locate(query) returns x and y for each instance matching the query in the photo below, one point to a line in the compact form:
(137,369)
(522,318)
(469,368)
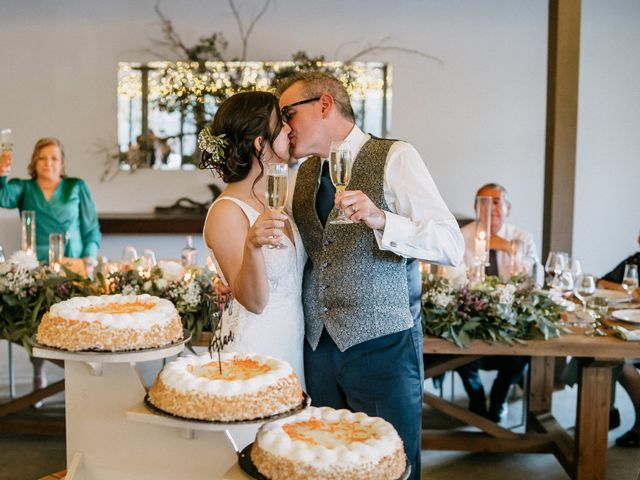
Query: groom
(364,343)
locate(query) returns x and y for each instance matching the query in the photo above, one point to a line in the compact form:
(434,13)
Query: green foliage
(489,311)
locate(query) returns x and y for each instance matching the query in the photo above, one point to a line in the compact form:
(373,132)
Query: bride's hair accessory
(212,144)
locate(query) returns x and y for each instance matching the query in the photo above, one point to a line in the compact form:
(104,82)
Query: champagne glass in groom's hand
(340,162)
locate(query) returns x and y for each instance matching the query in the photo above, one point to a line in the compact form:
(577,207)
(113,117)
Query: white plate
(612,296)
(629,315)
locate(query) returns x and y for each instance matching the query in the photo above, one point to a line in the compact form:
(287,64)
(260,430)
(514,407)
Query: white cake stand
(102,444)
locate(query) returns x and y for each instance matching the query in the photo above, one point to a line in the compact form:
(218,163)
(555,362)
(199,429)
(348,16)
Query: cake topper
(216,309)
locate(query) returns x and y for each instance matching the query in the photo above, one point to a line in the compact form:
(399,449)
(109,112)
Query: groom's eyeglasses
(286,110)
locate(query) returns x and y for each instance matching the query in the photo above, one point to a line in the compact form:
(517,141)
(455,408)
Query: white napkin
(625,334)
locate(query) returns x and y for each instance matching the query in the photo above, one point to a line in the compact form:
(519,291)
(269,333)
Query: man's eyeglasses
(286,110)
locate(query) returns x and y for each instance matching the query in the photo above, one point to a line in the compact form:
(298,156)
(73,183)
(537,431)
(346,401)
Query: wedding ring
(354,208)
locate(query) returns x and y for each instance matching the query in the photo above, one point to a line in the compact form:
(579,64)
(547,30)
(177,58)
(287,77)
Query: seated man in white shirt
(510,369)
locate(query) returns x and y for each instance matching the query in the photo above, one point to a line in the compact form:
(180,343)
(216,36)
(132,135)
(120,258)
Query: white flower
(5,267)
(161,284)
(506,294)
(171,271)
(147,285)
(442,299)
(25,260)
(129,290)
(456,276)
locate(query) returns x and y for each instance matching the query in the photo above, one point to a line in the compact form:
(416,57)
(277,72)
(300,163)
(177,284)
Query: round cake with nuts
(323,443)
(110,323)
(242,386)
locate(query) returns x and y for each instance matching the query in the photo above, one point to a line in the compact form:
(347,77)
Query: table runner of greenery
(491,310)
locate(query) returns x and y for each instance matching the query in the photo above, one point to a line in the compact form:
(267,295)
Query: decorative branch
(380,47)
(244,35)
(173,42)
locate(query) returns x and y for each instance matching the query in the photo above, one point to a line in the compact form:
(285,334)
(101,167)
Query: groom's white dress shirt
(419,224)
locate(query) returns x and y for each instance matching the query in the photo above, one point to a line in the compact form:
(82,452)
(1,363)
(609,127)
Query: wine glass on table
(276,191)
(585,287)
(340,162)
(555,265)
(630,277)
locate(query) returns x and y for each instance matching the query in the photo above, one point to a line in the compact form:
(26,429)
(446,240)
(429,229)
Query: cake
(250,387)
(323,443)
(110,323)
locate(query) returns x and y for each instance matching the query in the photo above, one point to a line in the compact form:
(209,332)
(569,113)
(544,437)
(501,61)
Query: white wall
(478,117)
(607,210)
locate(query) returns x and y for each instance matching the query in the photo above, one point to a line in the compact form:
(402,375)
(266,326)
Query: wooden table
(583,457)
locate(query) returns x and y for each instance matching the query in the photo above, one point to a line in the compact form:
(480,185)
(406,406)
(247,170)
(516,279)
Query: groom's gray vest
(351,287)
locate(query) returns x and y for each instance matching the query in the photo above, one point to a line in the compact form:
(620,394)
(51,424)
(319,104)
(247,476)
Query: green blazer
(70,211)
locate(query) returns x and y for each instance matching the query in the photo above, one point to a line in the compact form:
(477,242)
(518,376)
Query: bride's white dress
(279,330)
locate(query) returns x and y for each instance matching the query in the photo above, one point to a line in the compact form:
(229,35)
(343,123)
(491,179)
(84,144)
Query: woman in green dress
(62,205)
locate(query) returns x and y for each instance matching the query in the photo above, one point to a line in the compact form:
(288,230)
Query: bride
(246,134)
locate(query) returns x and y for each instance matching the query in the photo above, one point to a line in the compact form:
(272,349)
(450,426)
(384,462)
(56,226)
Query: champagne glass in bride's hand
(630,277)
(340,162)
(276,191)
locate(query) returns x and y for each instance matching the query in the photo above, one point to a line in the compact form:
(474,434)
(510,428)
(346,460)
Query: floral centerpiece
(490,310)
(27,290)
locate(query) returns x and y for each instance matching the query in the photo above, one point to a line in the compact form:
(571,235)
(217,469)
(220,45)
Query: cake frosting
(250,386)
(110,323)
(323,443)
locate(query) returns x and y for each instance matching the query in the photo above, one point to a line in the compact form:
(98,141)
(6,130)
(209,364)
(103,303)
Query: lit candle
(481,245)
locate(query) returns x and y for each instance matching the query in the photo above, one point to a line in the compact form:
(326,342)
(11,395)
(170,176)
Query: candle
(481,245)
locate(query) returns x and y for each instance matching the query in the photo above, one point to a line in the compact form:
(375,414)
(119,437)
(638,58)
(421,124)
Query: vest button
(326,264)
(325,309)
(327,243)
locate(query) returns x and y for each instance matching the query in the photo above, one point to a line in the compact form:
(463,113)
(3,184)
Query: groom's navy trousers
(380,377)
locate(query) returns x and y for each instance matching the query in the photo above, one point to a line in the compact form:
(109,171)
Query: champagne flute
(6,140)
(340,162)
(276,191)
(630,277)
(585,287)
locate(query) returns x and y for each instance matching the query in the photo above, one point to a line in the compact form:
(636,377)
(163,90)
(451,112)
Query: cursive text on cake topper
(216,309)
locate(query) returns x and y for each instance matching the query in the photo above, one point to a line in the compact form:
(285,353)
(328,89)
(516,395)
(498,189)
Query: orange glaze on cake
(236,369)
(318,432)
(116,308)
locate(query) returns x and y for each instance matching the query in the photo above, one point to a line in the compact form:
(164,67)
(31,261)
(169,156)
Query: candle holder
(56,251)
(29,231)
(482,237)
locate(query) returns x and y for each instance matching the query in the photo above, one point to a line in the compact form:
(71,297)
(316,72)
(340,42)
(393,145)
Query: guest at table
(613,279)
(510,369)
(629,377)
(62,205)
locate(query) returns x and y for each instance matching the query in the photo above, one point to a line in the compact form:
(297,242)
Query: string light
(187,83)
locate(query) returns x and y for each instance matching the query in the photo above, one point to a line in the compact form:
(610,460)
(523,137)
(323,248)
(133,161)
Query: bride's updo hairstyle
(238,122)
